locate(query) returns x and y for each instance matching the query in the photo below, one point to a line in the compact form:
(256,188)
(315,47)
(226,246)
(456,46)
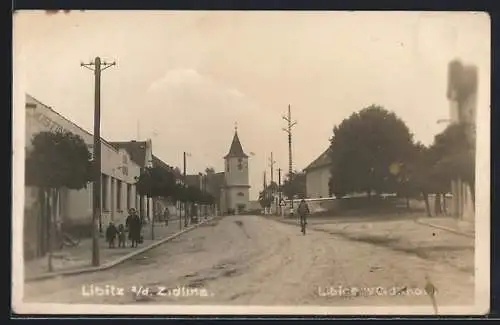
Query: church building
(236,188)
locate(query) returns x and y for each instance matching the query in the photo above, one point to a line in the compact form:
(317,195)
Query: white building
(235,193)
(73,208)
(318,176)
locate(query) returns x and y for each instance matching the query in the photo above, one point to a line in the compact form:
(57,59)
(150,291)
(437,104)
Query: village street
(253,260)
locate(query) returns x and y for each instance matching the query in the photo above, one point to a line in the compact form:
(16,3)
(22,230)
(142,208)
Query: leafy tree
(267,195)
(454,142)
(209,170)
(455,155)
(156,182)
(294,184)
(432,169)
(420,176)
(56,160)
(363,149)
(273,187)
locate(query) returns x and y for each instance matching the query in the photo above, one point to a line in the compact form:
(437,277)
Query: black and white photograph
(251,162)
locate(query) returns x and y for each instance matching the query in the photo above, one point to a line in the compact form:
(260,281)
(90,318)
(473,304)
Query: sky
(184,79)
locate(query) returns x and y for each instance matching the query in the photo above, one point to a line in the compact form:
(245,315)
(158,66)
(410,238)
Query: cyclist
(303,211)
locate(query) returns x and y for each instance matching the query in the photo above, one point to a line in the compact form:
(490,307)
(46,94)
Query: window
(125,159)
(240,194)
(118,194)
(104,192)
(129,190)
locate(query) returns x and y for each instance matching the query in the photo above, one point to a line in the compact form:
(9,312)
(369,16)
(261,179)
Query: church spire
(236,149)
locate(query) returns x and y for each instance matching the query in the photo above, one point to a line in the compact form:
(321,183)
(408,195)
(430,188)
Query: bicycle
(68,241)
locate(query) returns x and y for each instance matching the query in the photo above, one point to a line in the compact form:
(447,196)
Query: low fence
(333,206)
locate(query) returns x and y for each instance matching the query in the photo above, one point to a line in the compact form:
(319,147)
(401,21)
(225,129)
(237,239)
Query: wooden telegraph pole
(97,67)
(279,192)
(288,130)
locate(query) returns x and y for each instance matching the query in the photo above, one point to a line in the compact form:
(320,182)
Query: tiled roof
(236,149)
(136,150)
(323,160)
(157,162)
(215,183)
(220,180)
(32,105)
(193,180)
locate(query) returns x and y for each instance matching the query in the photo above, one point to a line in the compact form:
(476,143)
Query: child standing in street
(111,233)
(122,237)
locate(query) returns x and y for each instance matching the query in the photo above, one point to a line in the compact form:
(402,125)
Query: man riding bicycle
(303,211)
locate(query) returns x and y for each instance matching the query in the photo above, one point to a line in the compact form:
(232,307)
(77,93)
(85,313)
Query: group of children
(112,233)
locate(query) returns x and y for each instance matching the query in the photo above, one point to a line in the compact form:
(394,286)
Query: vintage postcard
(195,162)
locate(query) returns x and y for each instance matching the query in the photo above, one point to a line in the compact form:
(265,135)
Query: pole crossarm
(107,65)
(88,66)
(104,65)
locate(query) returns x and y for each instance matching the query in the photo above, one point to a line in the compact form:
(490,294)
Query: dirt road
(251,260)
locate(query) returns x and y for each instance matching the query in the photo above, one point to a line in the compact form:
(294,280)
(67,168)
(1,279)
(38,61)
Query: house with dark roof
(141,153)
(318,176)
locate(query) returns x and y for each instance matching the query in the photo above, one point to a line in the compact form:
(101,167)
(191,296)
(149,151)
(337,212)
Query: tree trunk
(472,186)
(50,232)
(445,208)
(408,203)
(42,224)
(437,204)
(427,205)
(153,219)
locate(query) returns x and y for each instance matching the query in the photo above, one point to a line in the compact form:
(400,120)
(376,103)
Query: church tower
(236,177)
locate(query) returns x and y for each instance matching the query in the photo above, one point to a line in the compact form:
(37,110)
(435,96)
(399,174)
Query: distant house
(318,176)
(230,188)
(141,153)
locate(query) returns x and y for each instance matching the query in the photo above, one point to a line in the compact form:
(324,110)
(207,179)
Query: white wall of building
(237,196)
(234,175)
(118,169)
(317,182)
(237,181)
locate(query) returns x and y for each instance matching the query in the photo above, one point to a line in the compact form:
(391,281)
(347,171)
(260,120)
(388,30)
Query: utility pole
(265,193)
(272,162)
(279,191)
(288,130)
(97,67)
(185,186)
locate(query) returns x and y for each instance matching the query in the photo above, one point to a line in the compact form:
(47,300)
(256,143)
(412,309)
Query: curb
(457,232)
(117,261)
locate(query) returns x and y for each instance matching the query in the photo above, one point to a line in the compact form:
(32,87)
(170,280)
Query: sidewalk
(420,237)
(77,258)
(467,228)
